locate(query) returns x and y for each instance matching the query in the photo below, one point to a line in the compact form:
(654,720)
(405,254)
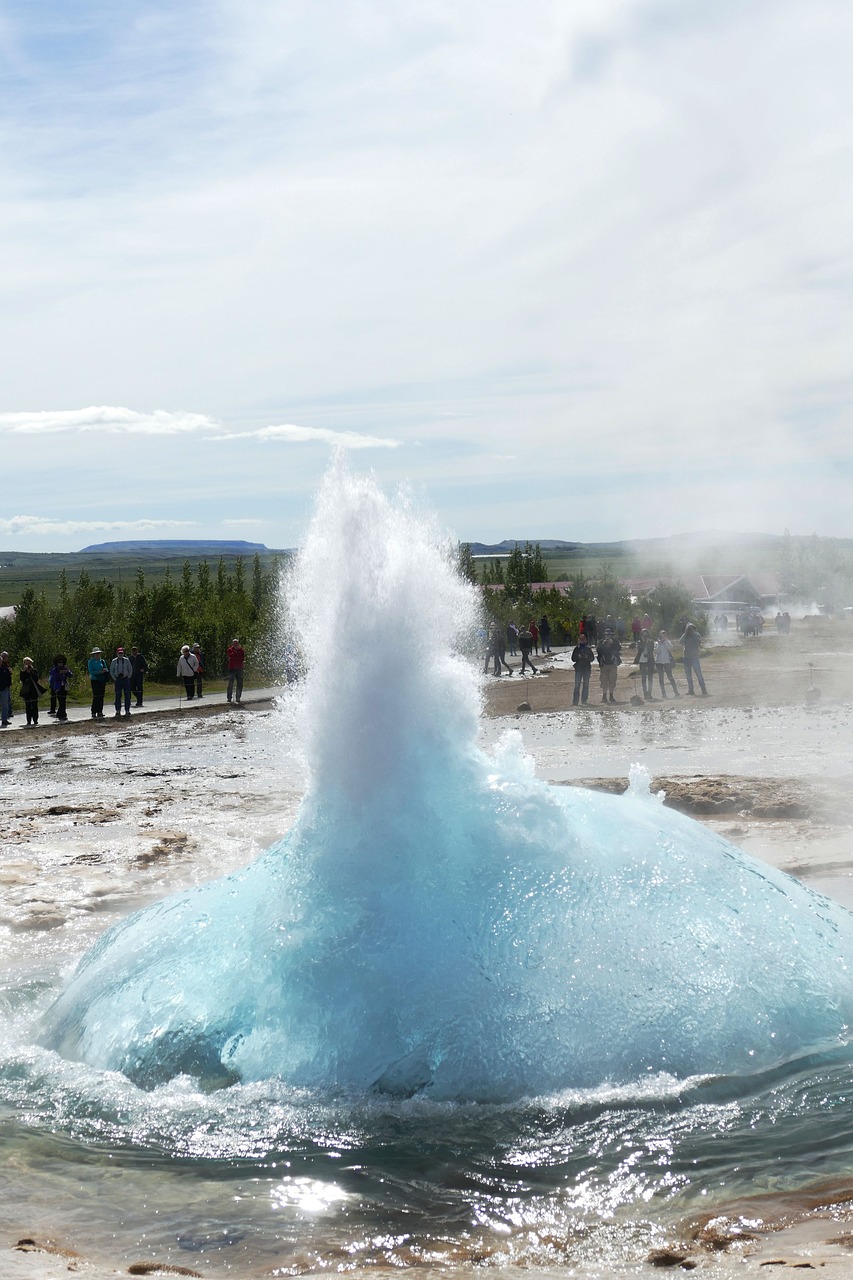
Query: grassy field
(41,570)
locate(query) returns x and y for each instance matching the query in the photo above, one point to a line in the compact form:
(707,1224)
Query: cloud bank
(42,526)
(105,418)
(594,259)
(288,433)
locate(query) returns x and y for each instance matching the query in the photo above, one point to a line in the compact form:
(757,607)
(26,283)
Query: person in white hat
(188,670)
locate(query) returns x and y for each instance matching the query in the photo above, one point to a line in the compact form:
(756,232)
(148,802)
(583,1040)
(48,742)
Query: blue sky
(572,270)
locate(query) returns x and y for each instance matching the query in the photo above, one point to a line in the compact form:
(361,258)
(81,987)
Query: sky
(569,270)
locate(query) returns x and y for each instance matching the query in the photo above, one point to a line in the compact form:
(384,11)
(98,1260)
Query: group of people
(652,654)
(518,639)
(125,671)
(602,643)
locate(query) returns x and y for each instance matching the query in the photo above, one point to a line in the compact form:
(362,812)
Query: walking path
(152,706)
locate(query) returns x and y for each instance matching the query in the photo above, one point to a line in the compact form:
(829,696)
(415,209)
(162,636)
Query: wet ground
(100,820)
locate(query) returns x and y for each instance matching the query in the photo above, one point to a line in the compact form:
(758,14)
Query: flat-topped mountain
(175,546)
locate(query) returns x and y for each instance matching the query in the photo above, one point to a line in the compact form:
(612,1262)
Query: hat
(119,649)
(235,641)
(94,651)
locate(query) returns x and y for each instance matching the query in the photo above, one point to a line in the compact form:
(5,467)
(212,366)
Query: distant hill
(509,544)
(178,546)
(553,547)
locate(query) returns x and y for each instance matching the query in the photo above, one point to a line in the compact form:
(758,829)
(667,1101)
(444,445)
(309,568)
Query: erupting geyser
(438,920)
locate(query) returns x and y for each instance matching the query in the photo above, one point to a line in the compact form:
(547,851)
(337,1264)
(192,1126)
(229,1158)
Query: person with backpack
(99,674)
(187,670)
(583,658)
(609,658)
(692,643)
(137,680)
(525,647)
(58,682)
(31,691)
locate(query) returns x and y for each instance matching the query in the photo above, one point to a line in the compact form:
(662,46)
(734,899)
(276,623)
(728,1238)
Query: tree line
(507,594)
(208,606)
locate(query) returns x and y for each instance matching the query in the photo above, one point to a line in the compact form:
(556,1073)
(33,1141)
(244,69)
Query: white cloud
(610,238)
(105,418)
(293,434)
(18,526)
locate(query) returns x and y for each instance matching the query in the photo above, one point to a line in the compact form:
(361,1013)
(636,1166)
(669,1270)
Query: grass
(41,570)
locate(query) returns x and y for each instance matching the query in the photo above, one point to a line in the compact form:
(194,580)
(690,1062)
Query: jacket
(187,666)
(121,667)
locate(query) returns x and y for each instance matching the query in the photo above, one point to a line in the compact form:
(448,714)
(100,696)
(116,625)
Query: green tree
(538,567)
(258,584)
(465,565)
(204,590)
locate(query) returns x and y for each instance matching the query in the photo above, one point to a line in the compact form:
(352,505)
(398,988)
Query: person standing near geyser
(236,663)
(99,674)
(137,680)
(121,671)
(188,670)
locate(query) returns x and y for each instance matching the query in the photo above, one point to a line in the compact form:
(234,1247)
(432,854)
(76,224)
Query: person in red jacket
(236,662)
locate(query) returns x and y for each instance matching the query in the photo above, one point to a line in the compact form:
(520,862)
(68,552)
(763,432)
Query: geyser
(441,921)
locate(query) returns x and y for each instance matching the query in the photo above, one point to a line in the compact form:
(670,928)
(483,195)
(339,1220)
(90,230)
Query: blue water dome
(437,920)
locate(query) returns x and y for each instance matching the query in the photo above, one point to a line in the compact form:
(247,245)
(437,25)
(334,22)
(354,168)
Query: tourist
(591,628)
(534,631)
(99,674)
(53,699)
(692,642)
(199,657)
(137,680)
(645,658)
(31,691)
(609,658)
(545,633)
(525,647)
(512,638)
(58,682)
(583,658)
(636,628)
(5,689)
(188,670)
(236,662)
(496,649)
(663,663)
(121,670)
